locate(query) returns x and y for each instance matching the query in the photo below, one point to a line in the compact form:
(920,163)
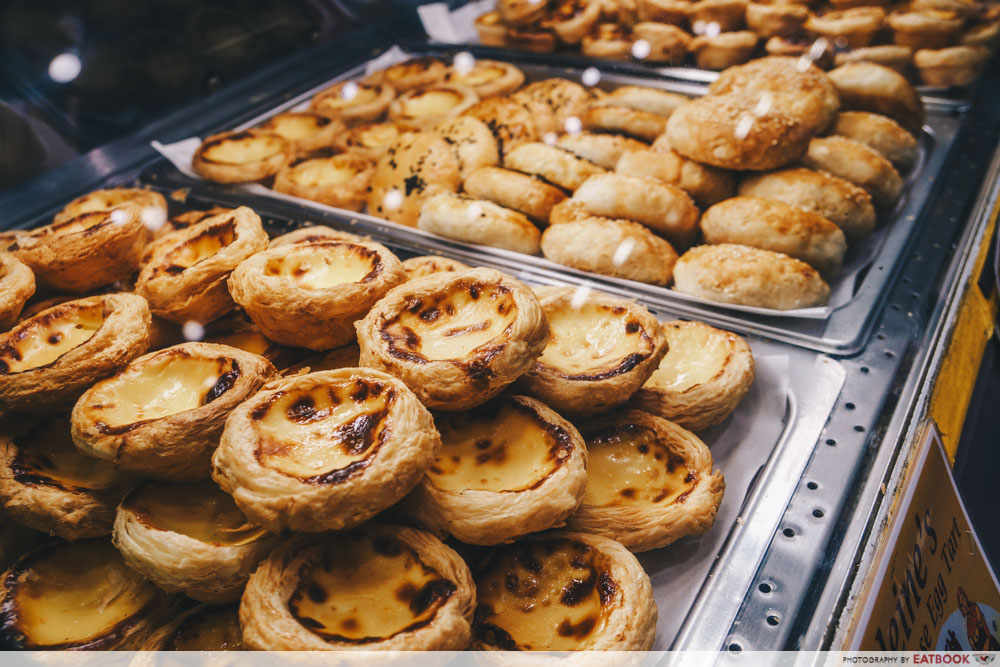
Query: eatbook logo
(985,658)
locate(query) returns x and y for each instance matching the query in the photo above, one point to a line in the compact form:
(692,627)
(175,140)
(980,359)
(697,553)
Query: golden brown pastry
(707,185)
(893,56)
(649,481)
(478,221)
(308,132)
(879,132)
(570,210)
(186,279)
(618,248)
(555,165)
(491,29)
(723,50)
(182,221)
(152,206)
(986,34)
(839,201)
(521,12)
(47,360)
(423,108)
(776,19)
(729,131)
(601,351)
(604,150)
(511,123)
(564,591)
(666,209)
(203,628)
(553,102)
(966,8)
(511,189)
(379,588)
(425,265)
(703,377)
(608,41)
(411,74)
(643,98)
(667,43)
(310,295)
(456,339)
(624,120)
(369,139)
(353,101)
(727,15)
(486,77)
(417,166)
(853,28)
(162,414)
(775,225)
(83,253)
(47,484)
(530,38)
(325,450)
(818,51)
(748,276)
(340,181)
(472,142)
(572,20)
(857,163)
(505,469)
(865,86)
(953,66)
(17,285)
(673,12)
(928,29)
(242,156)
(189,538)
(237,330)
(312,233)
(78,596)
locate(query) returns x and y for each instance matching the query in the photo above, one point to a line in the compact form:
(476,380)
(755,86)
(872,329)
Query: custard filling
(551,595)
(629,466)
(248,341)
(408,69)
(363,589)
(48,336)
(479,75)
(198,510)
(214,628)
(204,245)
(243,148)
(295,127)
(594,342)
(47,453)
(80,223)
(379,136)
(102,201)
(164,385)
(453,325)
(359,94)
(323,171)
(431,103)
(324,266)
(77,593)
(324,434)
(695,355)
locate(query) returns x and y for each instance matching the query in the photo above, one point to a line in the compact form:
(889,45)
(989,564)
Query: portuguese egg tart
(203,628)
(310,295)
(17,285)
(723,50)
(314,234)
(706,185)
(86,252)
(423,108)
(377,588)
(341,180)
(353,101)
(417,166)
(604,150)
(879,132)
(649,481)
(412,74)
(308,132)
(183,220)
(186,279)
(47,484)
(858,163)
(600,352)
(243,156)
(369,139)
(572,20)
(79,596)
(563,591)
(703,377)
(557,166)
(927,29)
(505,469)
(673,12)
(425,265)
(608,41)
(325,451)
(478,221)
(456,339)
(162,415)
(151,203)
(472,142)
(491,29)
(602,117)
(486,77)
(189,538)
(511,189)
(510,122)
(49,359)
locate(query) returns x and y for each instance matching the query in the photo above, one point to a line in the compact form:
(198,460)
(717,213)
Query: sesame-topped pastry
(417,166)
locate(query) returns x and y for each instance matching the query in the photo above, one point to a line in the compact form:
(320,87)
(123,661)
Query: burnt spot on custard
(9,348)
(632,327)
(229,137)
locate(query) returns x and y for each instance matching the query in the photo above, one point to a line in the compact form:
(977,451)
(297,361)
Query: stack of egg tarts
(296,469)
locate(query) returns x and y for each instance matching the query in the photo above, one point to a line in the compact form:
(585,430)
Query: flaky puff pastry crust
(648,525)
(45,483)
(514,190)
(879,132)
(626,616)
(310,295)
(381,447)
(157,532)
(857,163)
(308,132)
(274,596)
(340,181)
(186,278)
(703,377)
(242,156)
(555,165)
(425,265)
(167,431)
(353,101)
(89,251)
(539,499)
(153,203)
(17,285)
(315,234)
(416,167)
(577,376)
(706,185)
(594,244)
(486,77)
(865,86)
(48,360)
(478,221)
(456,339)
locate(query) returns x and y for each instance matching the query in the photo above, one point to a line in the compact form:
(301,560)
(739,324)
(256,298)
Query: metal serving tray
(858,291)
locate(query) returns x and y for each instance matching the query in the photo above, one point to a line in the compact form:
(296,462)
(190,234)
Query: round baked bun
(706,185)
(416,167)
(511,189)
(866,86)
(730,273)
(857,163)
(478,221)
(879,132)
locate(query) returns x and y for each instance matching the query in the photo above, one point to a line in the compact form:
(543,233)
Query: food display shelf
(858,291)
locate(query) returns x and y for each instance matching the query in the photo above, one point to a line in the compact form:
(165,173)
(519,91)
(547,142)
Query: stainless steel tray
(859,290)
